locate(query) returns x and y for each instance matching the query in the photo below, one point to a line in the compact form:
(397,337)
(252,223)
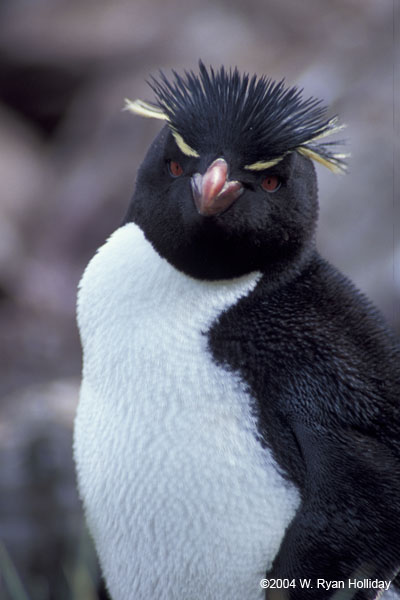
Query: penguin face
(212,218)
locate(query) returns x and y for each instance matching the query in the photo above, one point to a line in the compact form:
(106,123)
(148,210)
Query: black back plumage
(323,368)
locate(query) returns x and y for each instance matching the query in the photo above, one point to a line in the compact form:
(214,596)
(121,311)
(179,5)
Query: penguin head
(228,186)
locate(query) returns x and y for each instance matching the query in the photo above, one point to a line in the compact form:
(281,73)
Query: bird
(238,429)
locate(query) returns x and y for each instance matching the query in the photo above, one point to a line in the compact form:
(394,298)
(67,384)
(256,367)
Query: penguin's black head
(228,187)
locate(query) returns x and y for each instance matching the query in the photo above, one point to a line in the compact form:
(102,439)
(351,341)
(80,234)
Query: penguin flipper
(348,525)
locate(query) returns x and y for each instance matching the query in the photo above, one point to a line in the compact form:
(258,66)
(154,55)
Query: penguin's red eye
(175,168)
(271,183)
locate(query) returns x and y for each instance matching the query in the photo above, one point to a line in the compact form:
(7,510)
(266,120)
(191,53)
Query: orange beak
(212,192)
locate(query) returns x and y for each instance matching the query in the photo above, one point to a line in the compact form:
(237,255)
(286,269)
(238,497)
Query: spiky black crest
(256,118)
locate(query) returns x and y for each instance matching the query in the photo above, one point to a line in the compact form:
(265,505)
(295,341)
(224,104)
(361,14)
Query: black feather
(254,117)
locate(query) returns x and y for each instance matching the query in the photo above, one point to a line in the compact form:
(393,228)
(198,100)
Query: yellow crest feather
(334,162)
(261,165)
(145,109)
(330,129)
(151,111)
(183,146)
(330,163)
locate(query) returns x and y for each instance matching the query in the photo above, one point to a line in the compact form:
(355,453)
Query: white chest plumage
(181,499)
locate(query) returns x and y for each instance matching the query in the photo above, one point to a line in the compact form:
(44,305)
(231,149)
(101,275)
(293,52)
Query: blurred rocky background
(68,158)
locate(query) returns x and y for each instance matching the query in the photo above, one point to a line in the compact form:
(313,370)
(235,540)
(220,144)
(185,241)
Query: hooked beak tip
(212,192)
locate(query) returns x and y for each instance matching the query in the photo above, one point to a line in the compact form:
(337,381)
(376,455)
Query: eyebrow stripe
(334,162)
(261,165)
(183,146)
(145,109)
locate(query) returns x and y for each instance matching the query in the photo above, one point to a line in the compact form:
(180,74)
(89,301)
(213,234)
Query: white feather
(182,501)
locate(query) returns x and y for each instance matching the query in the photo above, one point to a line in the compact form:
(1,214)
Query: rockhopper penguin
(238,431)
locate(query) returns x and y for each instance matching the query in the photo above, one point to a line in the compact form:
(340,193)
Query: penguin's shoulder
(316,320)
(314,351)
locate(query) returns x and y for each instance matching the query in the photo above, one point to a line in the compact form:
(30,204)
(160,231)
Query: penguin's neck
(128,281)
